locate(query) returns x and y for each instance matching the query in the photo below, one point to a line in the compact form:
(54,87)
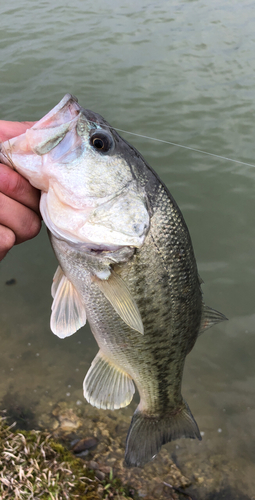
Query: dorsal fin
(68,311)
(209,318)
(118,294)
(201,281)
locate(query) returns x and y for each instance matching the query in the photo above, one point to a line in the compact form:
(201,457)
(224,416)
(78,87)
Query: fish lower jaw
(82,245)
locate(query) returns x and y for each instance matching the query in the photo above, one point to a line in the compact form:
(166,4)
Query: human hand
(20,218)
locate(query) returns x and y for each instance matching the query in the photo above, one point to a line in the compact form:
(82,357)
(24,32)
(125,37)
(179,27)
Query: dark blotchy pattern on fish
(162,278)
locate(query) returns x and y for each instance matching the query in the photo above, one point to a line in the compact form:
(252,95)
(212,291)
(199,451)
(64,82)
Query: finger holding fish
(19,201)
(9,129)
(23,221)
(7,239)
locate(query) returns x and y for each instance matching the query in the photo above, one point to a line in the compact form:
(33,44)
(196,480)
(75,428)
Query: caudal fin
(147,434)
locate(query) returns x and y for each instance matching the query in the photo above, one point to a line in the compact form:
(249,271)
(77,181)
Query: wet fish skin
(157,374)
(156,271)
(162,278)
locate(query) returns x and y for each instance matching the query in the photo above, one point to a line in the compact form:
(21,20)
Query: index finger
(12,129)
(18,188)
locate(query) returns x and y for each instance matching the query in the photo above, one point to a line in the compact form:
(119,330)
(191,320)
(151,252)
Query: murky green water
(180,71)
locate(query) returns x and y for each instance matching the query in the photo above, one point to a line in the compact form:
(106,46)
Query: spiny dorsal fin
(106,386)
(68,311)
(209,318)
(115,290)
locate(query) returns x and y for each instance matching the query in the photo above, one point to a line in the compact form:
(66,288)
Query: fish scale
(126,264)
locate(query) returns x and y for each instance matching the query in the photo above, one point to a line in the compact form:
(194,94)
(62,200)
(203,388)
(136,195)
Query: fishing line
(186,147)
(180,146)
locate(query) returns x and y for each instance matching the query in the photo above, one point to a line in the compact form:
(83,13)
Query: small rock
(100,475)
(67,418)
(111,460)
(55,424)
(106,433)
(85,444)
(82,454)
(198,479)
(74,441)
(12,281)
(100,489)
(93,465)
(158,490)
(106,469)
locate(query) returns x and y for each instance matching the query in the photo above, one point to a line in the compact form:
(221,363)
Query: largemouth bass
(126,264)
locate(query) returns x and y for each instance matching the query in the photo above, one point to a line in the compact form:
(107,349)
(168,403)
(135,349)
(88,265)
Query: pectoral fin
(68,312)
(56,280)
(115,290)
(106,386)
(209,318)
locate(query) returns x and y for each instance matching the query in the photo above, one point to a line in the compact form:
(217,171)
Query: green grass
(34,466)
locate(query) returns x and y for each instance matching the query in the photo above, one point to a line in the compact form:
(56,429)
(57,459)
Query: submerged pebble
(12,281)
(100,475)
(85,444)
(93,465)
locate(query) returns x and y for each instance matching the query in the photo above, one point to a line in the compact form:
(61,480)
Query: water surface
(182,72)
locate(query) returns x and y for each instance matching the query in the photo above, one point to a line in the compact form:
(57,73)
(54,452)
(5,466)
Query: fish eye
(101,141)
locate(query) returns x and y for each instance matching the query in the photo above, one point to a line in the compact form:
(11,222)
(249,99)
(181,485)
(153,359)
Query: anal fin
(106,386)
(68,311)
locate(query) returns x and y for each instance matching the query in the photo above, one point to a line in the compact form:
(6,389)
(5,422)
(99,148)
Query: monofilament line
(186,147)
(181,146)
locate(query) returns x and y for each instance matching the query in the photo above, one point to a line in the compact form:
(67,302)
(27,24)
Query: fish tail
(147,433)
